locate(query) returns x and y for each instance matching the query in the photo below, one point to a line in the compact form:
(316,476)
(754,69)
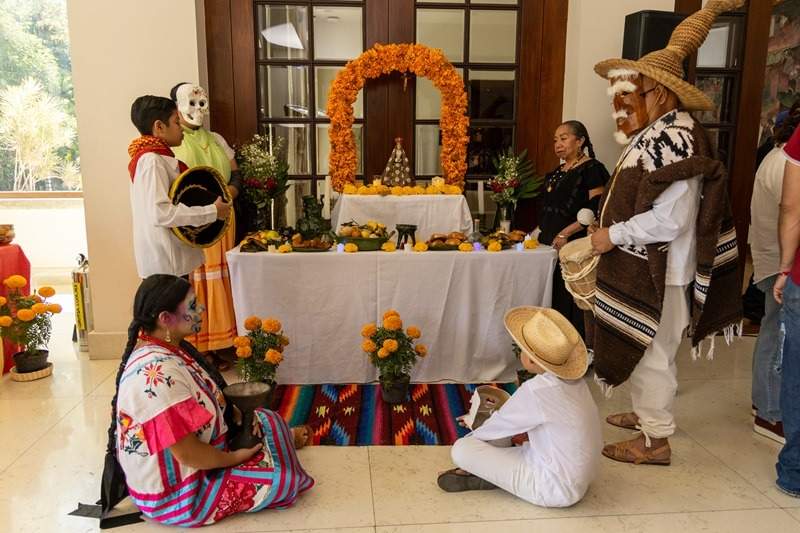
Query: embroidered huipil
(163,396)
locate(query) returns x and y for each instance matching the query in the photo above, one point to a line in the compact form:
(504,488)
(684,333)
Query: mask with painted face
(192,103)
(629,100)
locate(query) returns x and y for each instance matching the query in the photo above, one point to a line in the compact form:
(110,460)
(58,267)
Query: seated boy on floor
(153,168)
(560,458)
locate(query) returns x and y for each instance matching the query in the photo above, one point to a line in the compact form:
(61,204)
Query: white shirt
(564,436)
(157,249)
(764,208)
(672,219)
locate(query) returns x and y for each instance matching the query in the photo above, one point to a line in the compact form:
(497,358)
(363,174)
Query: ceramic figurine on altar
(312,224)
(398,171)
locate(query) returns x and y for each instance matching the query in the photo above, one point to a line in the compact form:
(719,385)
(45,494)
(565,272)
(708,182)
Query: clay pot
(394,389)
(26,362)
(247,397)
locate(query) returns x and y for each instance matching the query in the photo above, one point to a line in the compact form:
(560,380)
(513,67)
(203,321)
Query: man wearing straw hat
(665,226)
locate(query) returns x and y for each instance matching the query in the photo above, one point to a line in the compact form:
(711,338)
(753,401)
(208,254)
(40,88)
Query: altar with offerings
(430,213)
(457,299)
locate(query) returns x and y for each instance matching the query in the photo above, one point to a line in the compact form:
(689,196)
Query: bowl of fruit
(441,242)
(260,241)
(6,233)
(506,240)
(368,237)
(317,244)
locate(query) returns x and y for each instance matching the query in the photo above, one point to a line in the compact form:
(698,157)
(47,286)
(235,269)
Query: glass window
(283,92)
(719,90)
(298,149)
(282,32)
(492,36)
(428,148)
(338,33)
(491,94)
(324,148)
(442,28)
(324,78)
(429,98)
(485,143)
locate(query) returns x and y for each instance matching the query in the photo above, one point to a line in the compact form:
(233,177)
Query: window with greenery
(38,141)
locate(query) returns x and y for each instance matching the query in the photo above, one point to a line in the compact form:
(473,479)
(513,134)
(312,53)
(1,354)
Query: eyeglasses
(643,94)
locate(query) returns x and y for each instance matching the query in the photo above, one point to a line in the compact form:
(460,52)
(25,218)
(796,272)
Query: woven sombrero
(200,186)
(666,66)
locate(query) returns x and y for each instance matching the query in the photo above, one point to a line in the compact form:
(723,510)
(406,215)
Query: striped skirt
(272,479)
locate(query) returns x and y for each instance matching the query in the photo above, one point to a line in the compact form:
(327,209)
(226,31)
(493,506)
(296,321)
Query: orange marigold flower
(241,341)
(390,345)
(38,299)
(271,325)
(393,323)
(414,332)
(39,308)
(3,301)
(26,315)
(284,340)
(369,330)
(53,308)
(6,321)
(252,323)
(368,346)
(244,352)
(47,292)
(273,357)
(383,353)
(421,350)
(15,282)
(390,312)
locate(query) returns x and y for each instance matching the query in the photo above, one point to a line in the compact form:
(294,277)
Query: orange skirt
(212,286)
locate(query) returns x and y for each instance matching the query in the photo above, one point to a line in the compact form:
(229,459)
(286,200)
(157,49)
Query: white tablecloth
(457,299)
(430,213)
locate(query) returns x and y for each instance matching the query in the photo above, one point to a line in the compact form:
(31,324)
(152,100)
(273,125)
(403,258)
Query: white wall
(120,52)
(594,33)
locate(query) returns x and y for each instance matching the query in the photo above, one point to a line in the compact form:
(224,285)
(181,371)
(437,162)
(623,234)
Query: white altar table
(457,299)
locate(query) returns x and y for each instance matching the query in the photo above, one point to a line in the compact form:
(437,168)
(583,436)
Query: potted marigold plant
(25,320)
(393,352)
(258,355)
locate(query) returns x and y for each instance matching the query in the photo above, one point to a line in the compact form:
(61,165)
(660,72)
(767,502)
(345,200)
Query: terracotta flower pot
(26,362)
(247,397)
(394,389)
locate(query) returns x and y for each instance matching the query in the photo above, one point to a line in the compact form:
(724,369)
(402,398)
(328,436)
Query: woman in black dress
(575,184)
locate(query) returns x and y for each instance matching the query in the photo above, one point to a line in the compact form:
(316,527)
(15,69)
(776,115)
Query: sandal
(457,480)
(303,435)
(627,452)
(624,420)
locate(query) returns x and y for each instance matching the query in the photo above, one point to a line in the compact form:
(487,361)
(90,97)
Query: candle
(519,247)
(376,182)
(291,213)
(407,247)
(340,248)
(481,207)
(272,248)
(477,246)
(326,206)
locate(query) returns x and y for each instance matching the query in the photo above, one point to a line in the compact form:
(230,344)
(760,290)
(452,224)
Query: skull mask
(192,103)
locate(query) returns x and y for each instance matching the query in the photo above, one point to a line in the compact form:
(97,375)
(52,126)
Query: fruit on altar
(531,244)
(465,247)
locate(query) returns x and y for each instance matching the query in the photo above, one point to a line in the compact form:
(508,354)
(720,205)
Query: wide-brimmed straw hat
(666,66)
(549,340)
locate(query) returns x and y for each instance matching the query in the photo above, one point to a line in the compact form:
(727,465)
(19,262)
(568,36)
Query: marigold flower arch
(385,59)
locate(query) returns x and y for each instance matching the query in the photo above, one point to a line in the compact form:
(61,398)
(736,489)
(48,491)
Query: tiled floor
(53,431)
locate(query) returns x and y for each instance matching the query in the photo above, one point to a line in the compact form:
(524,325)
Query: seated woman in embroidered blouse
(169,426)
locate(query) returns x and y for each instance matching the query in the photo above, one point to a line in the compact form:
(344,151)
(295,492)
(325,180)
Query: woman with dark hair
(575,184)
(168,434)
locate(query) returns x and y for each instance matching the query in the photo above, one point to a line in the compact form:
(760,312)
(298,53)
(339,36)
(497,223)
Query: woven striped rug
(356,415)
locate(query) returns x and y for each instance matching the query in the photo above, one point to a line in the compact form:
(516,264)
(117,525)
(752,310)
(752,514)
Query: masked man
(211,281)
(665,224)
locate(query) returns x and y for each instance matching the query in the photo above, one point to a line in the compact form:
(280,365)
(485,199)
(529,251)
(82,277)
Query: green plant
(391,349)
(263,164)
(25,320)
(260,351)
(515,178)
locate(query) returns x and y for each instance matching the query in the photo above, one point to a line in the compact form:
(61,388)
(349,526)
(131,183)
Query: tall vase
(503,216)
(247,397)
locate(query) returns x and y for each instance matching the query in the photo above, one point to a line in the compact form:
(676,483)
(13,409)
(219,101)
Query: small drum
(200,186)
(579,270)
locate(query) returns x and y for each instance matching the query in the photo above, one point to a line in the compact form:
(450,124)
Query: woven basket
(31,376)
(579,270)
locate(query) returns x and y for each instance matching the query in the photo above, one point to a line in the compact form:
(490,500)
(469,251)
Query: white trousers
(507,468)
(654,381)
